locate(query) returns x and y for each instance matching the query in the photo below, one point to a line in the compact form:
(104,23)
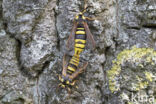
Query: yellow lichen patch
(149,76)
(141,84)
(112,87)
(111,74)
(130,103)
(141,56)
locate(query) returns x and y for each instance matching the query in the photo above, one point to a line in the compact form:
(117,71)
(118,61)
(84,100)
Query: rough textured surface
(33,34)
(140,63)
(33,24)
(15,88)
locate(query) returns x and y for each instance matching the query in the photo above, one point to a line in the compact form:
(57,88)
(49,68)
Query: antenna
(85,7)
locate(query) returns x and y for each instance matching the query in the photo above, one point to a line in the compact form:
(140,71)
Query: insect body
(80,33)
(79,36)
(70,71)
(73,65)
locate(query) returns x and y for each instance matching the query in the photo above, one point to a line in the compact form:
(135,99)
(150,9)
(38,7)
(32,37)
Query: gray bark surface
(33,36)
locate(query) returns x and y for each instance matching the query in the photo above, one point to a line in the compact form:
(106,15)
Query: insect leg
(64,65)
(59,77)
(57,88)
(90,19)
(83,67)
(69,90)
(85,7)
(73,83)
(85,4)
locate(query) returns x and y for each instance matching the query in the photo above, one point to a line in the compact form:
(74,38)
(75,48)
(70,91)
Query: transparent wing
(79,71)
(70,41)
(90,38)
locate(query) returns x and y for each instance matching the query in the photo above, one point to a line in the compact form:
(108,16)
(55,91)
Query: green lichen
(141,84)
(130,103)
(149,76)
(142,56)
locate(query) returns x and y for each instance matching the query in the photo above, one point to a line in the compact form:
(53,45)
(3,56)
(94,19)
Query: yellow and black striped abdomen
(73,64)
(80,40)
